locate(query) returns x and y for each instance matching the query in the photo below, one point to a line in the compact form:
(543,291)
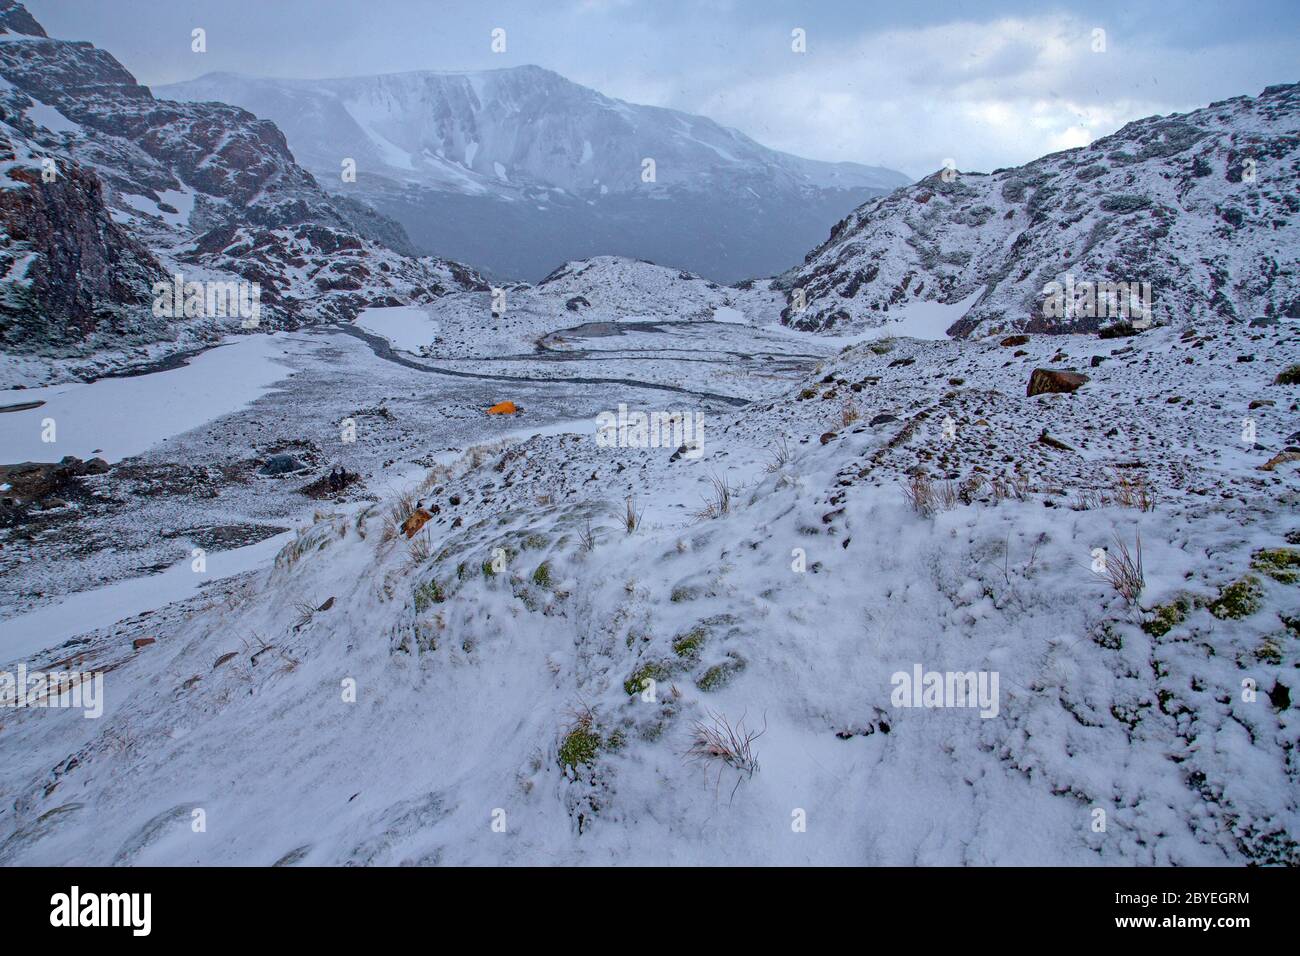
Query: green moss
(430,592)
(882,346)
(808,393)
(542,576)
(1237,600)
(651,670)
(1288,376)
(1269,651)
(488,570)
(688,645)
(1280,564)
(534,542)
(719,675)
(1291,622)
(1168,616)
(683,593)
(580,746)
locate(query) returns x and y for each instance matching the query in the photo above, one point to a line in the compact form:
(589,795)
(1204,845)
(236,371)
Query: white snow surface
(470,685)
(408,327)
(114,418)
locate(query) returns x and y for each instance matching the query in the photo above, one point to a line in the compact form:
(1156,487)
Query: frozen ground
(492,657)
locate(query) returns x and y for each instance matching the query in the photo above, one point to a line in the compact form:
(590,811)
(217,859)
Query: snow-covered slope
(371,700)
(515,169)
(1201,206)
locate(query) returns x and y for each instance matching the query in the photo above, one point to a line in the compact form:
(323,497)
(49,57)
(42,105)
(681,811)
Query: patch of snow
(407,327)
(125,416)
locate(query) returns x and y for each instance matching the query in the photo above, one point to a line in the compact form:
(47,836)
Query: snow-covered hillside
(1201,206)
(481,693)
(518,169)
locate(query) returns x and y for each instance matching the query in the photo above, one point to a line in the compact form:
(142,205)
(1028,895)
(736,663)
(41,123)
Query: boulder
(1044,380)
(281,465)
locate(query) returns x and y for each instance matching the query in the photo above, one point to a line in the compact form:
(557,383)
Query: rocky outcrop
(70,269)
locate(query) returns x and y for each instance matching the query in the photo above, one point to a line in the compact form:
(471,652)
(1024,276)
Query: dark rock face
(1044,380)
(80,270)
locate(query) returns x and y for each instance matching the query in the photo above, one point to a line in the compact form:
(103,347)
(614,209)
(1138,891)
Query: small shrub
(581,743)
(542,576)
(429,593)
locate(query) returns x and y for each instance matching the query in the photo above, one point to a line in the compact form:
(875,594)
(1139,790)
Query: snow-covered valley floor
(523,681)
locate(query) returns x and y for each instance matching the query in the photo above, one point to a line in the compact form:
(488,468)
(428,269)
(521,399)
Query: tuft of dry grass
(717,740)
(1016,487)
(850,413)
(420,548)
(927,498)
(781,457)
(1124,570)
(631,517)
(718,502)
(1133,493)
(588,537)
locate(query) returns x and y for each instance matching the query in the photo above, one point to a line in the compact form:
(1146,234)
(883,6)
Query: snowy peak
(498,129)
(519,169)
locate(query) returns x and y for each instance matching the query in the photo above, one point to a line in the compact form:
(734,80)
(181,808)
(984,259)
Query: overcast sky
(899,84)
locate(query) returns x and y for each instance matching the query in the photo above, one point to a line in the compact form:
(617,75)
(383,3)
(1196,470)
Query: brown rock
(140,642)
(1011,340)
(1044,380)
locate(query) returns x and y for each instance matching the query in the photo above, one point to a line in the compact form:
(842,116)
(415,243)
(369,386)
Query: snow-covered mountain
(519,169)
(108,189)
(1203,206)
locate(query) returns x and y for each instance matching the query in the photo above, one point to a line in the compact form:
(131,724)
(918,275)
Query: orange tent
(503,408)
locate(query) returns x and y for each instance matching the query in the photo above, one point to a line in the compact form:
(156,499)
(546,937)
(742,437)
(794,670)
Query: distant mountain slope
(105,189)
(1203,206)
(520,169)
